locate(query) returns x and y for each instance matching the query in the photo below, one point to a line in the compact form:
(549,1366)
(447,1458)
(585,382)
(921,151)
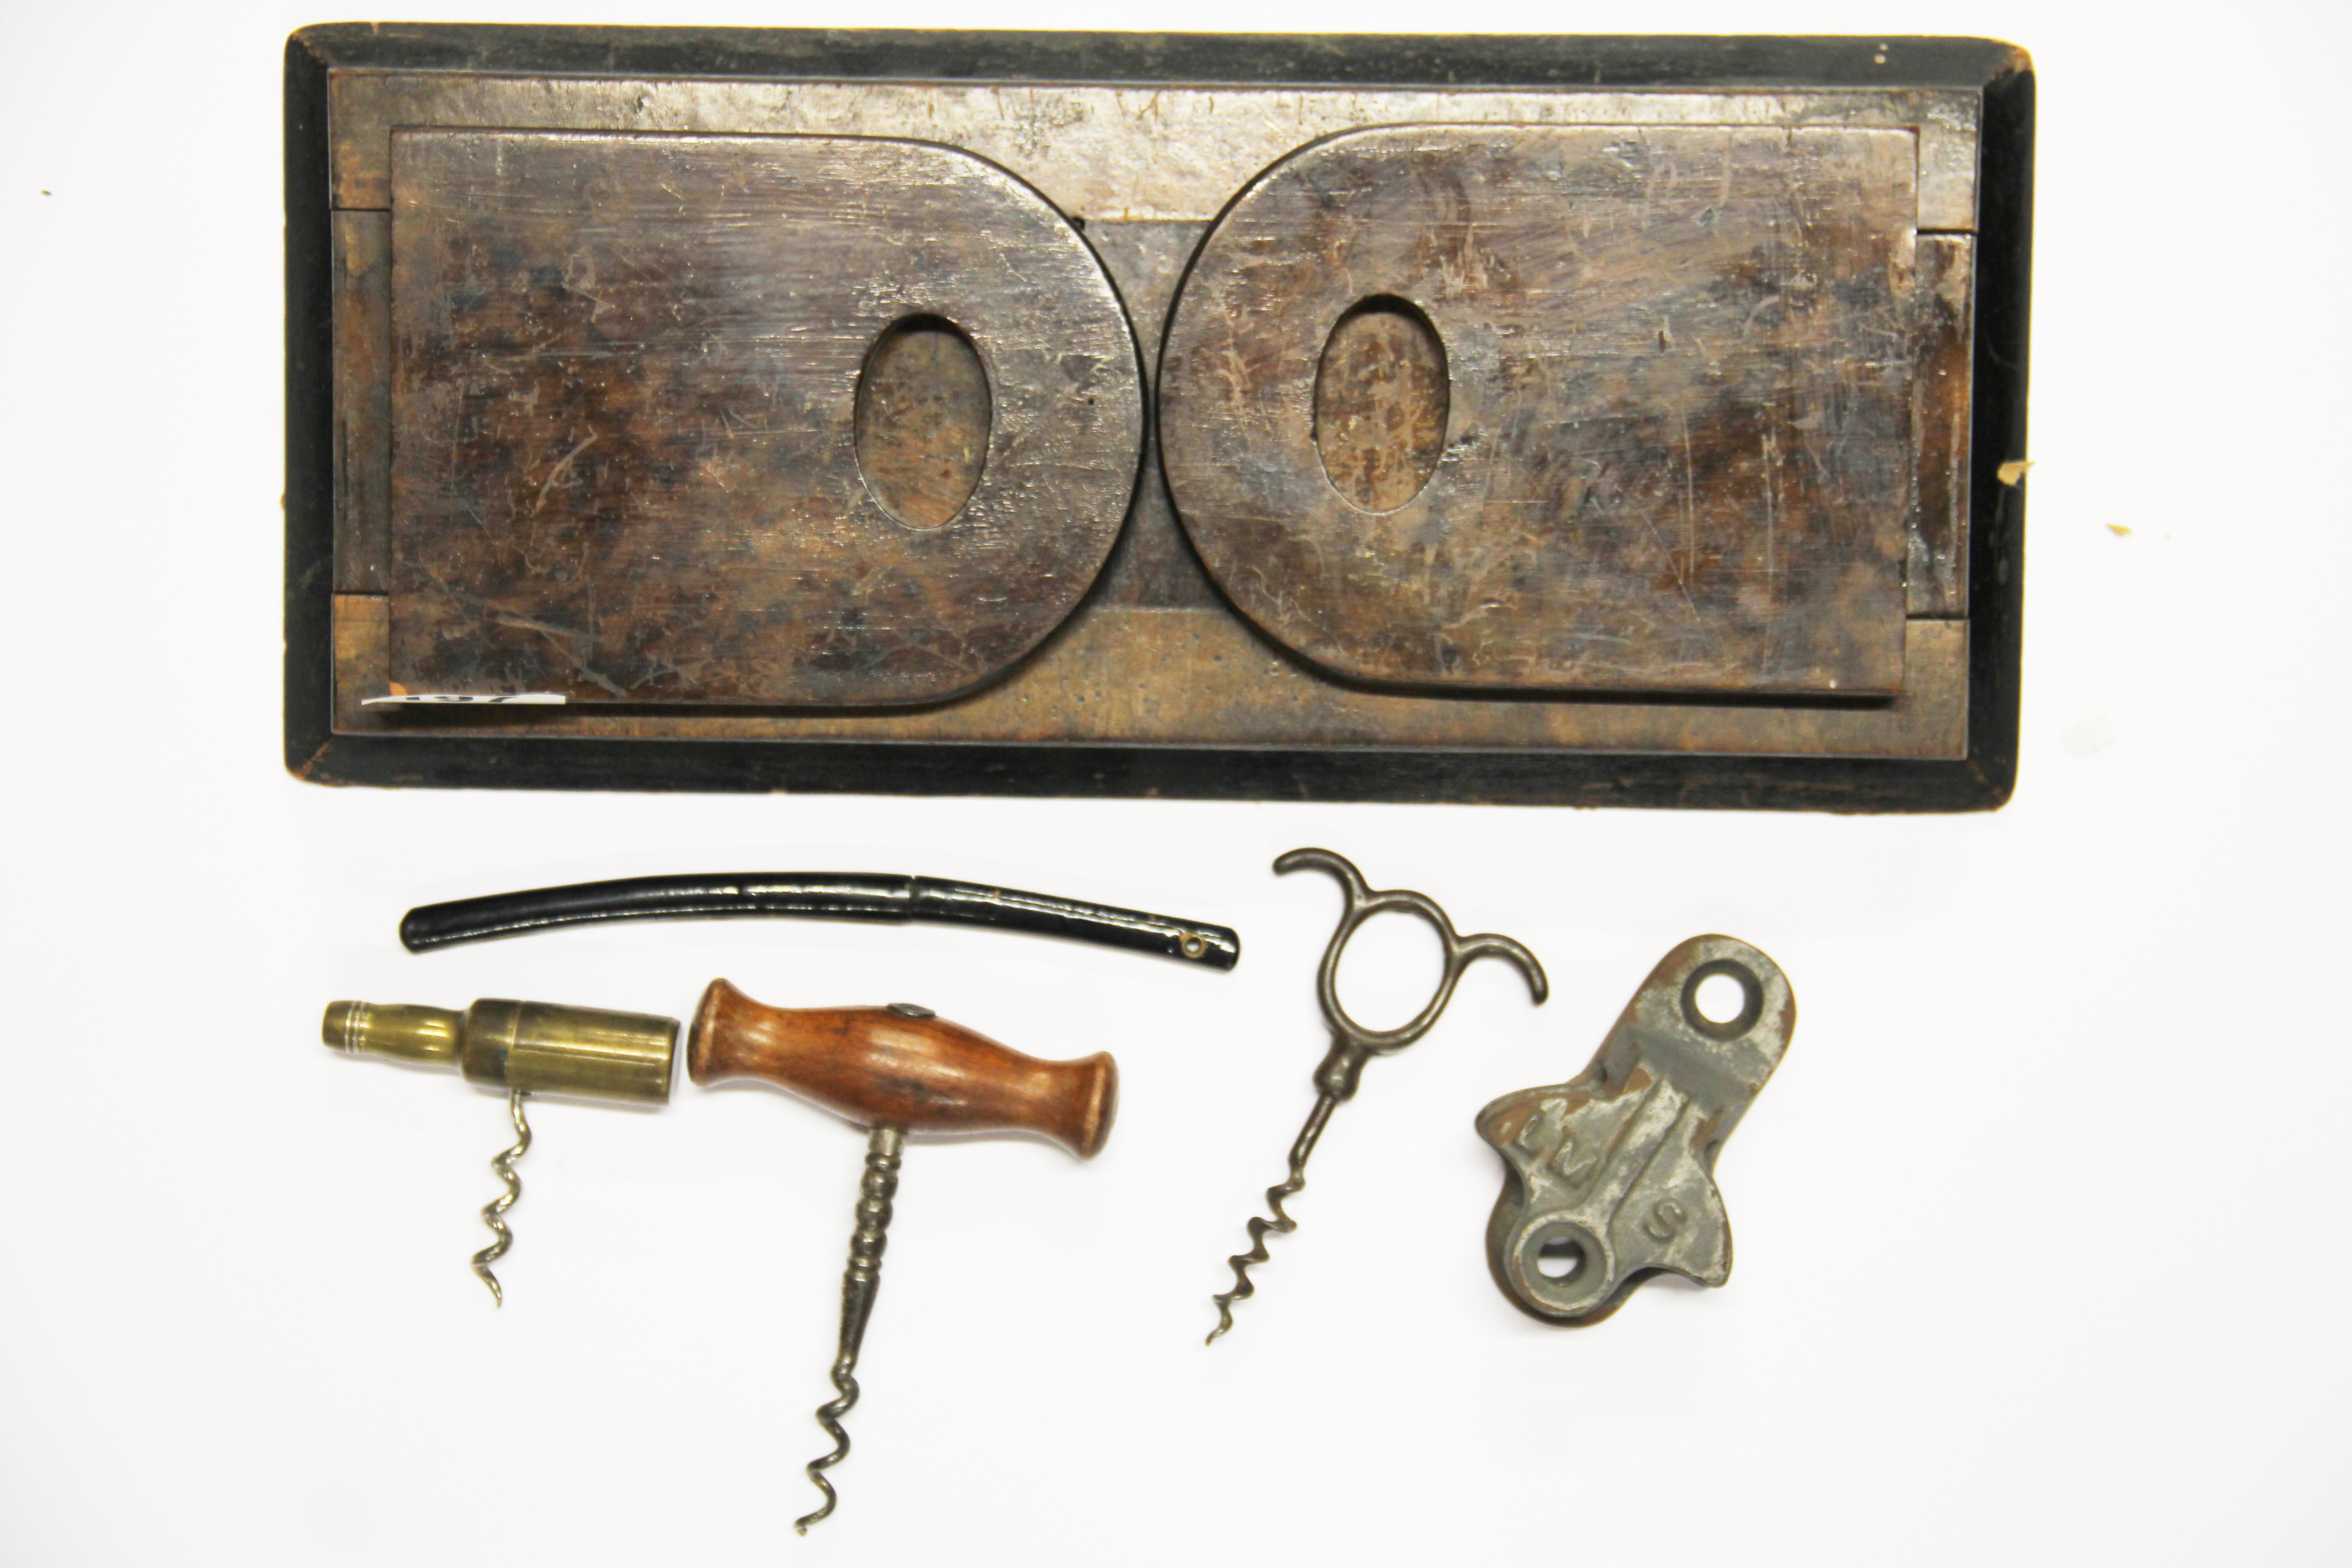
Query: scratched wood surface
(1679,365)
(1125,675)
(1166,152)
(627,463)
(1937,577)
(1381,398)
(1155,655)
(362,285)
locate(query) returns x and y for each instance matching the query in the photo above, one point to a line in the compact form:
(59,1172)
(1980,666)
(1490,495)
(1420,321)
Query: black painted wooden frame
(1997,520)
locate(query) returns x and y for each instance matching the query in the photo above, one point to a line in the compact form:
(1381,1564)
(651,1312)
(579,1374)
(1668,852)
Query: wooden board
(363,278)
(1944,303)
(1171,150)
(1154,680)
(1664,376)
(1102,681)
(628,379)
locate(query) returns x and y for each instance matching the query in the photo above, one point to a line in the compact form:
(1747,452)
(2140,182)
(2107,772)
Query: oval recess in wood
(922,420)
(1381,400)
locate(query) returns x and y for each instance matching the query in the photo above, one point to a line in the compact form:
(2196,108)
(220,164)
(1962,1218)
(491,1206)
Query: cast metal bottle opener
(1610,1176)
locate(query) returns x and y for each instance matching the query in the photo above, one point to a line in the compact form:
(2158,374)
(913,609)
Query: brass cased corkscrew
(523,1047)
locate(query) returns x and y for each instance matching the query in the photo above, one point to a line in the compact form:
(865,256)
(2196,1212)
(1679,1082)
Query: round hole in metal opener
(1751,1004)
(1719,998)
(1554,1243)
(1559,1259)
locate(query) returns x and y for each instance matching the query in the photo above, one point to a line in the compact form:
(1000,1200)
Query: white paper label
(538,699)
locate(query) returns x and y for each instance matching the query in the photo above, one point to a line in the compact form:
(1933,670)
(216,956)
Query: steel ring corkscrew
(1352,1045)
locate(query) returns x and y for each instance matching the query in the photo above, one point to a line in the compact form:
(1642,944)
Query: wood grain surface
(1170,151)
(1678,456)
(363,293)
(1104,680)
(1936,578)
(922,420)
(1381,403)
(626,386)
(1154,654)
(903,1068)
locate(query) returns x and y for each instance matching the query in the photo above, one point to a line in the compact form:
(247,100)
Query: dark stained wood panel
(1154,683)
(1937,577)
(626,383)
(922,421)
(1678,451)
(362,629)
(362,307)
(1173,151)
(1103,680)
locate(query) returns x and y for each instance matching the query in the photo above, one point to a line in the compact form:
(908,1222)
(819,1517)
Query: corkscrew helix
(1352,1045)
(494,1212)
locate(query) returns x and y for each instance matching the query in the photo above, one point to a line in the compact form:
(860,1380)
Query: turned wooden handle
(901,1067)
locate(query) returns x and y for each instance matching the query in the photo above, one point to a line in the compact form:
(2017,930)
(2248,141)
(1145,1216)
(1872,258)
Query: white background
(2041,1227)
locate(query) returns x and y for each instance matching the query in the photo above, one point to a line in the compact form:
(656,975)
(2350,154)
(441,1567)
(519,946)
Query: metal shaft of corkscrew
(884,1147)
(1352,1045)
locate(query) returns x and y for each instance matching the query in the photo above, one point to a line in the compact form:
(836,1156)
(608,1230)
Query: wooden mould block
(1570,420)
(1671,368)
(630,464)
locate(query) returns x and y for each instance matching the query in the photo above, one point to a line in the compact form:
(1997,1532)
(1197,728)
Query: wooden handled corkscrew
(896,1069)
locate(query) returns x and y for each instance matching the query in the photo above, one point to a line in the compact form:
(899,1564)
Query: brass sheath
(530,1047)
